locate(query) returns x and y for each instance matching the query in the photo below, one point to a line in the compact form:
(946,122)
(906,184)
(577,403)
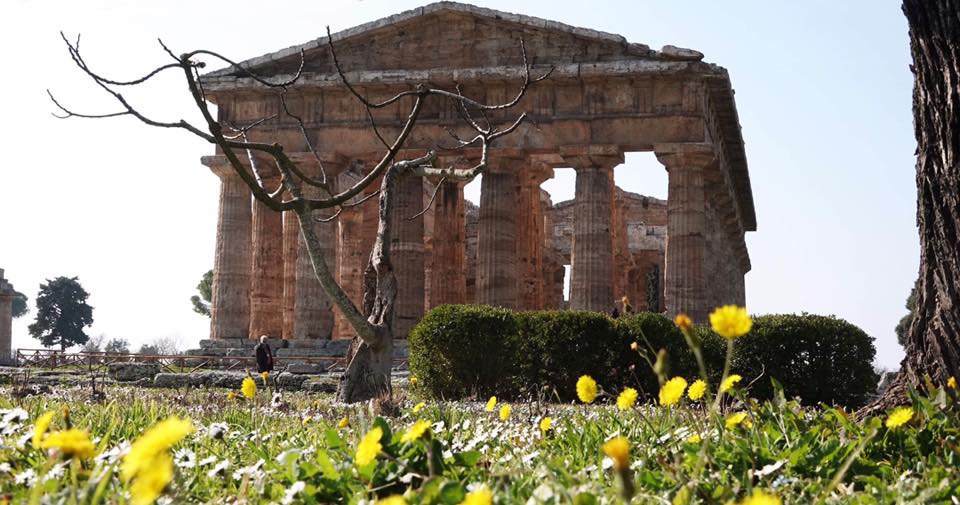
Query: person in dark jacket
(264,355)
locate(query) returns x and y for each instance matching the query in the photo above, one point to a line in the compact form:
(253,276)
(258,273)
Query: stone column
(352,256)
(530,235)
(312,308)
(592,262)
(497,235)
(291,246)
(407,254)
(7,294)
(230,307)
(448,280)
(266,286)
(686,228)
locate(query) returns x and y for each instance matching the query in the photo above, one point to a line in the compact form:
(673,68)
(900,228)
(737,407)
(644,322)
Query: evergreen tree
(62,313)
(201,302)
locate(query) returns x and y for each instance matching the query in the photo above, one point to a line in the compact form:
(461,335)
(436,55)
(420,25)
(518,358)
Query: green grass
(792,452)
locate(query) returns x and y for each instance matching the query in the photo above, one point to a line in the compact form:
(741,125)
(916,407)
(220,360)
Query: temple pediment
(454,35)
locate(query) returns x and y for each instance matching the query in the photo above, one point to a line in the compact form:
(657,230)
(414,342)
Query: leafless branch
(429,204)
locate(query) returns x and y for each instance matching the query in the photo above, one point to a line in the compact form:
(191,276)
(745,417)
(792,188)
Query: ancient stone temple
(606,97)
(7,294)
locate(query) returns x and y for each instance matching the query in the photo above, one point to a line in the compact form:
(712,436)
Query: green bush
(817,358)
(463,350)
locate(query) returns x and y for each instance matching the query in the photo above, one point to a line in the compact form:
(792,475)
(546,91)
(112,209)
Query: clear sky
(823,91)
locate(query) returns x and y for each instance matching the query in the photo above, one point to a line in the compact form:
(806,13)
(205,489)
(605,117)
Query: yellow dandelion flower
(586,389)
(306,421)
(343,423)
(694,439)
(265,376)
(730,382)
(418,407)
(231,396)
(735,420)
(505,411)
(413,381)
(248,388)
(730,321)
(952,382)
(150,482)
(760,498)
(672,391)
(369,447)
(618,449)
(683,322)
(43,424)
(491,403)
(157,440)
(899,417)
(392,500)
(416,431)
(546,424)
(72,442)
(697,390)
(626,399)
(479,496)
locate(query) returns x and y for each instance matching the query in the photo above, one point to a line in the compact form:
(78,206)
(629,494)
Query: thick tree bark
(933,341)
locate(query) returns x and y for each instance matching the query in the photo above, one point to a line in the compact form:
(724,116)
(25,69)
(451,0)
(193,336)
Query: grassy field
(300,448)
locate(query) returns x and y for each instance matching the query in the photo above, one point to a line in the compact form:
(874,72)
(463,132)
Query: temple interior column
(291,247)
(266,285)
(497,234)
(230,304)
(592,261)
(448,281)
(686,228)
(407,254)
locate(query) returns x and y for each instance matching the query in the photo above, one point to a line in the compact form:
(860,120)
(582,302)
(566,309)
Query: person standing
(264,355)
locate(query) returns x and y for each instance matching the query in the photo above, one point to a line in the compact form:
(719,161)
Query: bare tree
(370,360)
(933,337)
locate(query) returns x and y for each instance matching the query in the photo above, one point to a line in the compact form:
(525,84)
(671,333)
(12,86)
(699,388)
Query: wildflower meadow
(695,443)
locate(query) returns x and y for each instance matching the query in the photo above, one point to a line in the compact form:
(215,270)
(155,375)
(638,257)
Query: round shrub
(462,350)
(818,358)
(653,332)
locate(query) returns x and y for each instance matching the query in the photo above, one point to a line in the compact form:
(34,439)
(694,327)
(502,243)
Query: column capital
(506,161)
(219,165)
(333,162)
(685,153)
(602,156)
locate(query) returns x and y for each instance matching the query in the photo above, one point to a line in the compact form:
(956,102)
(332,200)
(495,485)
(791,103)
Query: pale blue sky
(823,91)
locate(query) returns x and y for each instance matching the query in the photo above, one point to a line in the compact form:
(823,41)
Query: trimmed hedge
(460,351)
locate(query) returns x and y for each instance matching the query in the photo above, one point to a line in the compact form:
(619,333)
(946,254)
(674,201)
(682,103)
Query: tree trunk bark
(933,340)
(370,361)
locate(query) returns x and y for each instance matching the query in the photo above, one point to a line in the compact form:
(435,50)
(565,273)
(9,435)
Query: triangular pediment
(450,35)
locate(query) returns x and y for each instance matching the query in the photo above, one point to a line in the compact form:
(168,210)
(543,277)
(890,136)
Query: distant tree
(149,350)
(95,344)
(904,325)
(164,346)
(117,346)
(20,306)
(201,302)
(62,313)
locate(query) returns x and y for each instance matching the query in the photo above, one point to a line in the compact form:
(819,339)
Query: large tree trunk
(933,341)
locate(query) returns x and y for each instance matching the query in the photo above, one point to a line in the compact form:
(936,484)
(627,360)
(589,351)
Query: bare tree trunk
(371,360)
(933,340)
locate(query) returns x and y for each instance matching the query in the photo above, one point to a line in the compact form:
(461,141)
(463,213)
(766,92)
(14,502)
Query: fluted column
(530,235)
(312,308)
(592,262)
(266,285)
(448,282)
(407,254)
(352,256)
(7,294)
(230,307)
(497,235)
(685,288)
(291,246)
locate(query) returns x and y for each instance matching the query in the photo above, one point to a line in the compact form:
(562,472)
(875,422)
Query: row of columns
(255,293)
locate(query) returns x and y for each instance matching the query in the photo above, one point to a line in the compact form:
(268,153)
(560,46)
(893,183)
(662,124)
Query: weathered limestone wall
(7,294)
